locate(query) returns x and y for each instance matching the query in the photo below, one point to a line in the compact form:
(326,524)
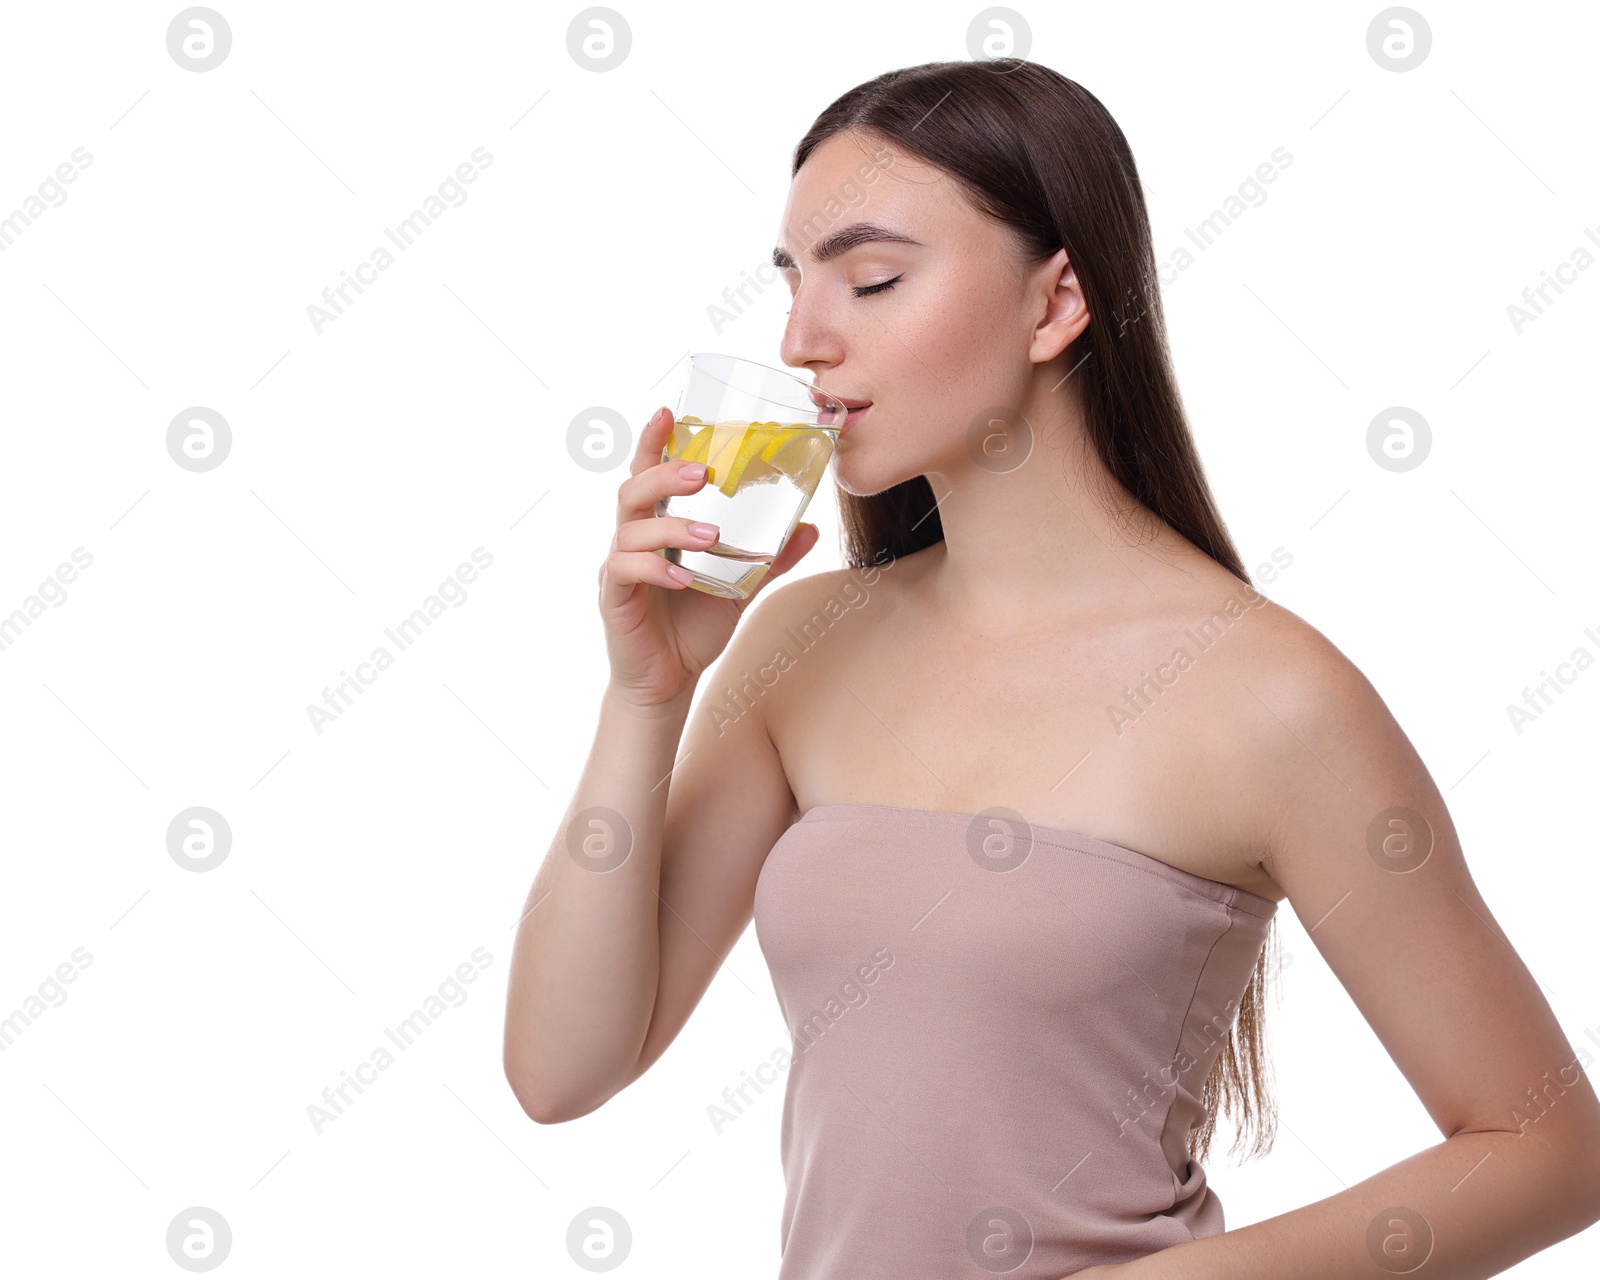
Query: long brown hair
(1041,155)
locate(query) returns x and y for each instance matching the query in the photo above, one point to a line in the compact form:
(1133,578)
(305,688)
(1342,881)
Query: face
(933,326)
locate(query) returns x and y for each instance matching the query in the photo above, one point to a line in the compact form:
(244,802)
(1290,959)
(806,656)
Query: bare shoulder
(1320,744)
(842,588)
(794,613)
(794,638)
(1299,674)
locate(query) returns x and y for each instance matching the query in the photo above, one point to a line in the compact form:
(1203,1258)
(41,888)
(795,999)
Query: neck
(1037,536)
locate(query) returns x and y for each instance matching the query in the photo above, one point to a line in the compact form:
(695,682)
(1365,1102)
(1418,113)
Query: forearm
(586,959)
(1486,1201)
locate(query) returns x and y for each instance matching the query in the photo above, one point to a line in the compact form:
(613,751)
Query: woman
(1055,763)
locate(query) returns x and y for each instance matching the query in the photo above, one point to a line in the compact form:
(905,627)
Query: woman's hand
(660,634)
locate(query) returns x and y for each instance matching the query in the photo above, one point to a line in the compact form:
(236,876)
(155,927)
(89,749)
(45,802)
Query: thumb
(800,542)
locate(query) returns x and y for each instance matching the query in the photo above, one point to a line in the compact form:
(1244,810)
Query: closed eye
(867,290)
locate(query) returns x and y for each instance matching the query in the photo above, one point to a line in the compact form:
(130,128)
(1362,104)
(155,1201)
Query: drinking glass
(765,436)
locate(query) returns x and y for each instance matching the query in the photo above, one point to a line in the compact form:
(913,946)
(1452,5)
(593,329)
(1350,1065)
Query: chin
(858,482)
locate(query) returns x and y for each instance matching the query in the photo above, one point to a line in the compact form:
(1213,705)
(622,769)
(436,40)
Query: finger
(624,570)
(804,537)
(656,532)
(652,438)
(638,495)
(800,542)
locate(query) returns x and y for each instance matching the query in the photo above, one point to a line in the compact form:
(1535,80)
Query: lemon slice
(724,447)
(729,448)
(695,451)
(757,440)
(778,440)
(802,455)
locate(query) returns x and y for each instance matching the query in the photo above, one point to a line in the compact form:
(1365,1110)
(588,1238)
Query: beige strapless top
(1000,1033)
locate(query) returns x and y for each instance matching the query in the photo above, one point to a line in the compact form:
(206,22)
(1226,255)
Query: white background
(431,418)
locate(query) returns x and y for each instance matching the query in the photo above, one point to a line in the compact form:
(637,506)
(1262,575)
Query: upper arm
(1363,845)
(728,802)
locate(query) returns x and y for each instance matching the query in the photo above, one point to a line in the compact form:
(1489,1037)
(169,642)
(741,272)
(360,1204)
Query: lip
(827,400)
(855,415)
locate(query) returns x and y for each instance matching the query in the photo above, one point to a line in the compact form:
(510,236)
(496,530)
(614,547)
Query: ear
(1063,312)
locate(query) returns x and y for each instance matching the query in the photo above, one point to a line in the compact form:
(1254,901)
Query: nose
(809,337)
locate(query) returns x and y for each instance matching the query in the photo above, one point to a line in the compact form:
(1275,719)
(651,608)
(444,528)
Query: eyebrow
(842,241)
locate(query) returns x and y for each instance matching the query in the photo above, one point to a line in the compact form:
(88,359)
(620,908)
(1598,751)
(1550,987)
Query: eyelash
(867,290)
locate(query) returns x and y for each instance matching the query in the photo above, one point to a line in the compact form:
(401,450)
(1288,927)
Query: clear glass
(766,437)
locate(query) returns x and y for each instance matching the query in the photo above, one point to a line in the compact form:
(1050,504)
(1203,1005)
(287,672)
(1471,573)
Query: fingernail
(703,530)
(692,470)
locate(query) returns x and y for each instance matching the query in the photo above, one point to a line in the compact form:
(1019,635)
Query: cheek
(936,362)
(963,329)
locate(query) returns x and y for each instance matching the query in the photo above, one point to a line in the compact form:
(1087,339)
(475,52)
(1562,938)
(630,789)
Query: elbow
(537,1109)
(538,1105)
(543,1107)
